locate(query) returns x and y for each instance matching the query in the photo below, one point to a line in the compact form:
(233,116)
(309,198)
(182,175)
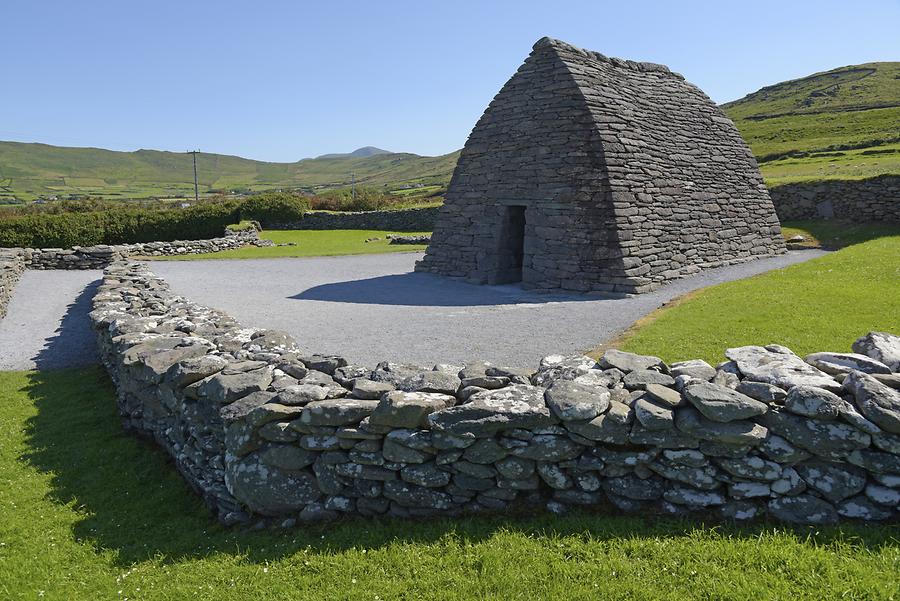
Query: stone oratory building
(597,174)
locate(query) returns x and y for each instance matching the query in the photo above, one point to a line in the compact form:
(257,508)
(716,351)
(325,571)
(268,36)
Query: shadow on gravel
(127,496)
(428,290)
(74,343)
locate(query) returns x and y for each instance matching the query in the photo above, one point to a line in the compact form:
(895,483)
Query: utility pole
(196,187)
(353,186)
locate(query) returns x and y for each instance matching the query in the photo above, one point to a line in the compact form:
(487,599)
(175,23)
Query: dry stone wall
(267,432)
(875,199)
(100,256)
(11,268)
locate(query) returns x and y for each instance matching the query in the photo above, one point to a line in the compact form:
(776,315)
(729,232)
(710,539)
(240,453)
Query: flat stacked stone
(266,432)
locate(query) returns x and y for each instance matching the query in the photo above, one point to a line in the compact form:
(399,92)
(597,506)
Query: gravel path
(368,308)
(46,326)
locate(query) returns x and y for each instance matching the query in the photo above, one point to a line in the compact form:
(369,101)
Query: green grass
(313,243)
(844,165)
(423,191)
(841,89)
(834,233)
(90,512)
(820,305)
(829,122)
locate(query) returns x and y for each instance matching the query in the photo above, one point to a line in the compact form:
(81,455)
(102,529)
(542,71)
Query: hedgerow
(123,225)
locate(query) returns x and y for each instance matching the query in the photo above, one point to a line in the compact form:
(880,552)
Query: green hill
(28,171)
(840,124)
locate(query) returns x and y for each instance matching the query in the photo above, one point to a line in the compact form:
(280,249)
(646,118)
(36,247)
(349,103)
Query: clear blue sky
(280,81)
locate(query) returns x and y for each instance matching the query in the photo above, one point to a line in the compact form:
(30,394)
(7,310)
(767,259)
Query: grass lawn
(821,305)
(89,512)
(313,243)
(843,165)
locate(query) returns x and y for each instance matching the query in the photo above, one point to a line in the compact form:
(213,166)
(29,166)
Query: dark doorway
(512,246)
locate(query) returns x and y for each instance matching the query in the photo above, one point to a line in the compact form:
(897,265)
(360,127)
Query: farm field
(313,243)
(128,527)
(845,165)
(28,171)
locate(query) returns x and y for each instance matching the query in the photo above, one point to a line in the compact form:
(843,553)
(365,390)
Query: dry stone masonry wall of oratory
(270,434)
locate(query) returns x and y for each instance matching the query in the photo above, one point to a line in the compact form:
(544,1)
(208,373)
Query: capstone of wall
(403,220)
(876,199)
(267,432)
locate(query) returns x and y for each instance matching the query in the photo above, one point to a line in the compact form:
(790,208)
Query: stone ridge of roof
(644,67)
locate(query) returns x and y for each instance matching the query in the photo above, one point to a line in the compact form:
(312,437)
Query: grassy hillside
(840,124)
(31,170)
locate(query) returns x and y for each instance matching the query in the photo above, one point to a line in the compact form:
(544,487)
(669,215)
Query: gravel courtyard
(368,308)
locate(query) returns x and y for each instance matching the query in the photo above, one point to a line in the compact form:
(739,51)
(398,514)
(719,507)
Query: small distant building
(590,173)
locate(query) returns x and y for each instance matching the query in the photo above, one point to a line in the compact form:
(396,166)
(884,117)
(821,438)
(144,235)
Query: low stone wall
(265,432)
(404,220)
(875,199)
(100,256)
(11,268)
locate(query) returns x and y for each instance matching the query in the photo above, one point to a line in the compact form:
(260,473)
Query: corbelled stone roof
(631,176)
(593,55)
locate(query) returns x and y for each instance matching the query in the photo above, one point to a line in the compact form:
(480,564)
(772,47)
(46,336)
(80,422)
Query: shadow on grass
(833,234)
(129,498)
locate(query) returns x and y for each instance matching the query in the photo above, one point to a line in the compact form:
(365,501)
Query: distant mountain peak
(365,151)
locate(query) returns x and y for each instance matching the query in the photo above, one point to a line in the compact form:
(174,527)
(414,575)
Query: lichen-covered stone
(491,411)
(269,490)
(741,432)
(779,366)
(840,364)
(611,427)
(400,409)
(884,347)
(722,404)
(833,481)
(761,391)
(664,395)
(337,412)
(570,401)
(695,368)
(632,487)
(829,439)
(286,457)
(803,509)
(877,402)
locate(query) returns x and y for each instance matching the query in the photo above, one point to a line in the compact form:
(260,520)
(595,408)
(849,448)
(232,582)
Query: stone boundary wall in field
(404,220)
(100,256)
(268,433)
(875,199)
(11,268)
